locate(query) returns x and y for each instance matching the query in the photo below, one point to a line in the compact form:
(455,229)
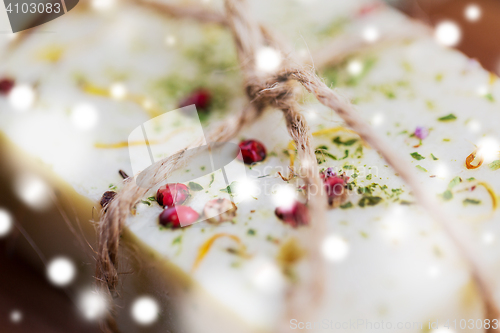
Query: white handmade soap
(101,75)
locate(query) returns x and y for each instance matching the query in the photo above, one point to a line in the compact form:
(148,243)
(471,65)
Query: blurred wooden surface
(479,38)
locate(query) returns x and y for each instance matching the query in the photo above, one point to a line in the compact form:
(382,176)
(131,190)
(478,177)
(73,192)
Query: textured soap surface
(399,265)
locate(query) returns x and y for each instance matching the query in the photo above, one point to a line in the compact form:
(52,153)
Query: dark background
(48,309)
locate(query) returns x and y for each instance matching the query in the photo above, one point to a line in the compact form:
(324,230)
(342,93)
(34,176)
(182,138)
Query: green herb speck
(417,156)
(447,195)
(449,117)
(489,97)
(421,168)
(195,186)
(347,205)
(230,188)
(454,182)
(345,143)
(369,201)
(495,165)
(177,240)
(471,201)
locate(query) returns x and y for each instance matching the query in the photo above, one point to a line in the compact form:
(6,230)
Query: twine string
(278,90)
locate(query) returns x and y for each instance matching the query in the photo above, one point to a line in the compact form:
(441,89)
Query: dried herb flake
(369,201)
(338,141)
(454,182)
(447,195)
(417,156)
(347,205)
(195,186)
(421,168)
(449,117)
(495,165)
(471,202)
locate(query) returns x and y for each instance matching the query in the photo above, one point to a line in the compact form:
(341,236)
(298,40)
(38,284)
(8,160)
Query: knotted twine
(278,90)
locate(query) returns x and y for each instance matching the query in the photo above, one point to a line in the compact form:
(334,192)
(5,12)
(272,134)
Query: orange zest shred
(205,247)
(124,144)
(491,192)
(103,92)
(51,54)
(494,203)
(333,130)
(471,158)
(94,90)
(493,78)
(292,152)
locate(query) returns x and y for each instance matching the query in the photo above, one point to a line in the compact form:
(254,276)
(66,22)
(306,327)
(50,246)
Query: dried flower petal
(421,132)
(295,215)
(252,151)
(219,210)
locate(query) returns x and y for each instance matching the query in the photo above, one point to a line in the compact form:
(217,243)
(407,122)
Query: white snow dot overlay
(448,33)
(246,189)
(266,276)
(335,248)
(268,59)
(443,330)
(145,310)
(473,12)
(92,305)
(5,222)
(483,90)
(33,191)
(377,119)
(103,5)
(355,67)
(488,148)
(474,126)
(22,97)
(441,170)
(61,271)
(84,116)
(488,238)
(371,34)
(16,316)
(118,90)
(170,40)
(284,196)
(433,272)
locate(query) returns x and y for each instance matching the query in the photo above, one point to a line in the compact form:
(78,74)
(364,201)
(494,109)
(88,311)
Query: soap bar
(388,261)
